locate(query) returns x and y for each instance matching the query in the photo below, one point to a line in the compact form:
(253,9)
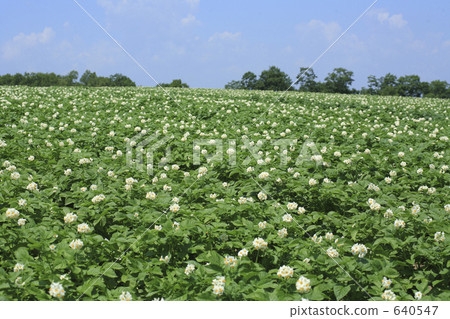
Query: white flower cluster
(76,244)
(285,272)
(399,224)
(259,244)
(388,295)
(70,218)
(84,228)
(373,187)
(243,253)
(218,285)
(189,269)
(262,196)
(125,296)
(262,225)
(333,253)
(56,290)
(282,233)
(439,236)
(292,206)
(303,285)
(359,249)
(98,198)
(386,282)
(12,213)
(230,261)
(85,161)
(373,204)
(150,195)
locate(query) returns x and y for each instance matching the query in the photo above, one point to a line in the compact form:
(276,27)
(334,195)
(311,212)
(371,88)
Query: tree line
(340,81)
(88,78)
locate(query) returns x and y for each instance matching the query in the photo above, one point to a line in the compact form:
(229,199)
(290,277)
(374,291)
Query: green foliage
(51,79)
(358,139)
(174,84)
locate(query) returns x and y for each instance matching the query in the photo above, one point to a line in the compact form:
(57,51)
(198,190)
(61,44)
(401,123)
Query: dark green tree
(234,85)
(274,79)
(121,80)
(306,80)
(410,85)
(339,81)
(88,78)
(438,89)
(388,85)
(249,81)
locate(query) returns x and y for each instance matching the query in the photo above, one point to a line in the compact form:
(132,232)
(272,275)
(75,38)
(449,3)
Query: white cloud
(395,20)
(330,30)
(26,41)
(224,36)
(190,19)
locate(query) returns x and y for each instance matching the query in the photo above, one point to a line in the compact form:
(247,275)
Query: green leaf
(341,291)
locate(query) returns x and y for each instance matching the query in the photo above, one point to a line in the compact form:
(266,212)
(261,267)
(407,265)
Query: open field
(110,193)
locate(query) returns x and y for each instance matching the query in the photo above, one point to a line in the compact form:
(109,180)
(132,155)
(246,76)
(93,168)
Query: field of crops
(134,194)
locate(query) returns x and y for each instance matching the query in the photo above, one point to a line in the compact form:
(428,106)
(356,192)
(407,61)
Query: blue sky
(208,43)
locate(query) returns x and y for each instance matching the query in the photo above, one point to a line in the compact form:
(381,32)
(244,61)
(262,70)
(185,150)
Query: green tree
(249,81)
(388,85)
(121,80)
(88,78)
(274,79)
(438,89)
(234,85)
(174,84)
(374,85)
(339,81)
(410,85)
(306,79)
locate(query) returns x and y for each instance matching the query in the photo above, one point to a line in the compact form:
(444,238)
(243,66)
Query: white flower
(67,172)
(262,196)
(189,269)
(388,295)
(388,213)
(316,239)
(399,224)
(242,253)
(164,259)
(76,244)
(301,210)
(18,267)
(167,188)
(70,218)
(150,195)
(359,249)
(158,227)
(15,175)
(12,213)
(176,225)
(262,225)
(22,202)
(263,175)
(415,210)
(21,222)
(98,198)
(56,290)
(312,182)
(218,285)
(213,196)
(287,218)
(230,261)
(418,295)
(386,282)
(174,208)
(125,296)
(401,154)
(333,253)
(83,189)
(303,285)
(292,206)
(32,186)
(282,233)
(439,236)
(329,236)
(285,272)
(83,228)
(259,244)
